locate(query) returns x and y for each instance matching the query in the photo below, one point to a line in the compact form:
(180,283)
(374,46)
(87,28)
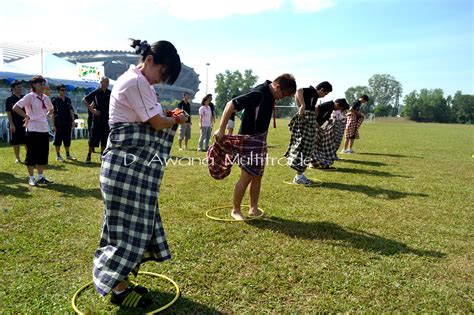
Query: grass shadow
(390,155)
(182,306)
(329,231)
(367,172)
(7,180)
(370,163)
(73,191)
(375,192)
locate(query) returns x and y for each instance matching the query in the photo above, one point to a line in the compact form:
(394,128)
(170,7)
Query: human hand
(219,135)
(96,112)
(301,112)
(12,128)
(26,120)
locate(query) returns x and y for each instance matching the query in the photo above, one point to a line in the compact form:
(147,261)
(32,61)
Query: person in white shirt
(205,124)
(35,107)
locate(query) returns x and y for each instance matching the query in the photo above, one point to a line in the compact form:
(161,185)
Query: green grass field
(391,230)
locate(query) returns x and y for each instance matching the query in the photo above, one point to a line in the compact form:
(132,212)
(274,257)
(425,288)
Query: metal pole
(207,75)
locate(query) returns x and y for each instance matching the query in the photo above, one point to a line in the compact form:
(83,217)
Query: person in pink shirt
(133,164)
(205,123)
(35,107)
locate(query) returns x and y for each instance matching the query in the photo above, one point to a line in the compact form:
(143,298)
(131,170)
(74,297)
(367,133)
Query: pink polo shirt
(36,107)
(133,99)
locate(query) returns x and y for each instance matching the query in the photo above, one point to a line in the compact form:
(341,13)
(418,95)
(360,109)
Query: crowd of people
(128,120)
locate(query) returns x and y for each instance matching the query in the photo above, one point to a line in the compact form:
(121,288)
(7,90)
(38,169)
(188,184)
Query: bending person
(131,172)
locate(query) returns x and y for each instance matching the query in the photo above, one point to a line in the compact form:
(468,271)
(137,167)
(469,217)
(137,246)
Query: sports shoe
(32,182)
(350,151)
(130,298)
(17,161)
(70,157)
(59,159)
(44,181)
(88,160)
(345,151)
(302,181)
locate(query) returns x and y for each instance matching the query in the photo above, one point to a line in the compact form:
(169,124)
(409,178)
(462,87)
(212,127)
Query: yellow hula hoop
(248,218)
(78,292)
(315,182)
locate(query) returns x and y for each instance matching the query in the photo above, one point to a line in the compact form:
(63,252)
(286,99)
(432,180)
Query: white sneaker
(350,151)
(302,181)
(345,151)
(32,182)
(71,158)
(59,159)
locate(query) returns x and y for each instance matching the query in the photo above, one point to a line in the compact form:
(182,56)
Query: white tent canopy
(56,70)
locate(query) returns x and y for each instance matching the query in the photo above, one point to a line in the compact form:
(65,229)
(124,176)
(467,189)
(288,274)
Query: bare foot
(255,212)
(237,215)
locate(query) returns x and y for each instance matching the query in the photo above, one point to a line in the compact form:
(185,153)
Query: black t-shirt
(310,96)
(187,108)
(62,112)
(356,105)
(232,117)
(324,112)
(258,105)
(9,103)
(101,100)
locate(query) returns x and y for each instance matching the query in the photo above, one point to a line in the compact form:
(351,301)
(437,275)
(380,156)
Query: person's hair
(325,85)
(204,99)
(61,86)
(287,83)
(14,84)
(36,79)
(209,95)
(185,93)
(342,103)
(164,53)
(364,97)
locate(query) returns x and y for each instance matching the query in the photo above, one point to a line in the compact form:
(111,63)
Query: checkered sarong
(303,131)
(249,152)
(352,126)
(327,141)
(130,176)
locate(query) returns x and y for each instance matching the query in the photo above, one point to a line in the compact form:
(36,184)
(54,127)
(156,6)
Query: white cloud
(217,9)
(307,6)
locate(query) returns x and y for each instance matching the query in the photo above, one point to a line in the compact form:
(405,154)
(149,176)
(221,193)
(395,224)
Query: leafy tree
(386,91)
(353,93)
(428,106)
(232,83)
(463,108)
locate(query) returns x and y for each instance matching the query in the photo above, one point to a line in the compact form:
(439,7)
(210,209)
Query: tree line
(384,92)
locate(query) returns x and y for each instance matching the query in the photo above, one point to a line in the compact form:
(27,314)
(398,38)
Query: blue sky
(422,43)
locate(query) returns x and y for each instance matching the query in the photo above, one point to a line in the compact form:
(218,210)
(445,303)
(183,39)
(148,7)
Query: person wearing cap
(34,108)
(98,103)
(15,121)
(331,122)
(63,122)
(185,129)
(303,130)
(353,122)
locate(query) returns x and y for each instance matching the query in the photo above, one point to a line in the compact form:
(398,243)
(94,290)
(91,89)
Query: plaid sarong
(130,176)
(249,152)
(303,131)
(353,123)
(327,142)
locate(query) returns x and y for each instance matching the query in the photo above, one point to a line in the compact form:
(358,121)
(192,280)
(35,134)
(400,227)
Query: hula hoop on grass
(78,292)
(247,218)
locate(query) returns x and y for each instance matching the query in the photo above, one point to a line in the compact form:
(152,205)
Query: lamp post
(207,74)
